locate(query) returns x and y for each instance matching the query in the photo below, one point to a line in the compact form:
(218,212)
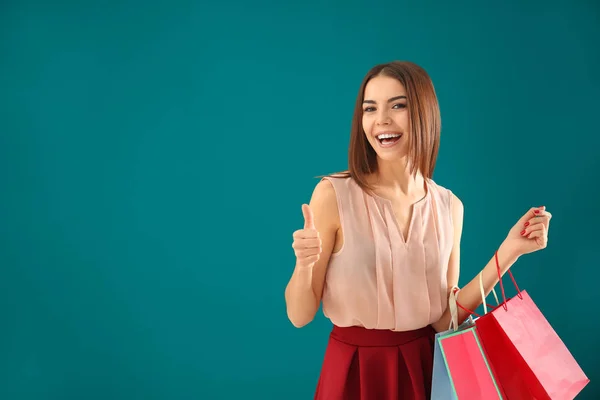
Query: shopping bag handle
(454,303)
(481,289)
(504,305)
(485,305)
(502,285)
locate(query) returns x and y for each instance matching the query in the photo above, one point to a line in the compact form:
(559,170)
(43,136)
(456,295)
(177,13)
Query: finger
(306,243)
(548,217)
(536,234)
(543,213)
(533,228)
(529,214)
(540,238)
(305,253)
(309,222)
(305,234)
(543,219)
(538,210)
(546,214)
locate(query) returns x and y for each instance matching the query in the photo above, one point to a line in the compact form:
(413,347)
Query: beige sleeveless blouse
(378,279)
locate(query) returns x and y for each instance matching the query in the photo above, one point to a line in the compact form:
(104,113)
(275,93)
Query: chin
(391,157)
(395,153)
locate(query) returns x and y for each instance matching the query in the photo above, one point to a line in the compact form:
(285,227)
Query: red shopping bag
(460,367)
(529,358)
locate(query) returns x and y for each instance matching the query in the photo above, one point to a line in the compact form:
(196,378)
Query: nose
(383,118)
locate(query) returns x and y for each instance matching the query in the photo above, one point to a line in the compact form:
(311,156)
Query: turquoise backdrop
(154,157)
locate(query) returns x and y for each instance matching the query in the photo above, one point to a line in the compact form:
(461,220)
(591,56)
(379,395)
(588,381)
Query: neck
(396,176)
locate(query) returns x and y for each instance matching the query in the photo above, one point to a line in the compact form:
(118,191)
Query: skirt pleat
(377,372)
(370,364)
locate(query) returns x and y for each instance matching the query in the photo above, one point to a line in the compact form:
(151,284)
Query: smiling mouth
(388,139)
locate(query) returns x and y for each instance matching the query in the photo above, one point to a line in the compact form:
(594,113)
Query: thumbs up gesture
(307,243)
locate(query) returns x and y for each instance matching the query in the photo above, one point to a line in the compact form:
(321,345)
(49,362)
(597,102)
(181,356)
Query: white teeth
(388,136)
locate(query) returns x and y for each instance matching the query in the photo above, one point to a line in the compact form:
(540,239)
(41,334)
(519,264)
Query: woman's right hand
(307,242)
(313,246)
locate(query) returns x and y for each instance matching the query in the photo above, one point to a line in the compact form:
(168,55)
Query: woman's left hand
(531,232)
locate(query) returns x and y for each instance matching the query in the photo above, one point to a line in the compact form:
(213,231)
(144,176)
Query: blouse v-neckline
(416,206)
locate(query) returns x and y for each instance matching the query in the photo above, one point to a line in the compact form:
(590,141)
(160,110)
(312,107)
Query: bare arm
(305,288)
(470,295)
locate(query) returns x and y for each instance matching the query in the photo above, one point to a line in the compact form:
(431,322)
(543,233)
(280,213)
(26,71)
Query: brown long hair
(424,120)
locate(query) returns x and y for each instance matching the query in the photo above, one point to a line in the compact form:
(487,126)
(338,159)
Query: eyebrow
(389,100)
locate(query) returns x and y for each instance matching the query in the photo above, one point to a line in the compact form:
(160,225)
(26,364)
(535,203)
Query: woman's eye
(395,106)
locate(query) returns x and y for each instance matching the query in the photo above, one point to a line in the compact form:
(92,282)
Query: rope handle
(504,300)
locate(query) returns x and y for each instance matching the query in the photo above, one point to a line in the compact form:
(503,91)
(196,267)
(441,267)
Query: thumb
(309,222)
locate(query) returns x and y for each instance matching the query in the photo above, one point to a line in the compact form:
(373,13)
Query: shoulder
(334,186)
(447,194)
(325,202)
(324,190)
(454,202)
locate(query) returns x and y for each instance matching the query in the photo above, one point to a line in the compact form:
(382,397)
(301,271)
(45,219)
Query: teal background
(154,157)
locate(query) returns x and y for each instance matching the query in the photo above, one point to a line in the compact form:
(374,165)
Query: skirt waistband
(359,336)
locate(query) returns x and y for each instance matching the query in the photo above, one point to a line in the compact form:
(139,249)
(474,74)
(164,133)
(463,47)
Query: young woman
(380,247)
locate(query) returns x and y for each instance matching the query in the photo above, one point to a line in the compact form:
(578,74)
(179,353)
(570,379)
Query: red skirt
(371,364)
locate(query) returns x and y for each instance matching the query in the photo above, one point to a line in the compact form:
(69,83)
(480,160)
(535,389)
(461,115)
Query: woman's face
(385,118)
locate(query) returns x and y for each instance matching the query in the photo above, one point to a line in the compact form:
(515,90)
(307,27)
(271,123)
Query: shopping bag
(442,387)
(529,358)
(461,370)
